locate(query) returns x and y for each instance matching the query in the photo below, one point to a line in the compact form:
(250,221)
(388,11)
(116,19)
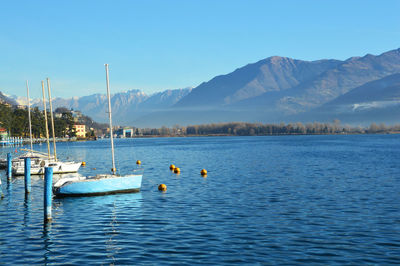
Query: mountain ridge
(378,100)
(126,105)
(274,89)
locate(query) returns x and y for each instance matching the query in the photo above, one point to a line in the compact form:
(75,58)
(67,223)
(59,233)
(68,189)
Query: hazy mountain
(334,82)
(269,75)
(287,85)
(6,99)
(274,89)
(375,101)
(126,106)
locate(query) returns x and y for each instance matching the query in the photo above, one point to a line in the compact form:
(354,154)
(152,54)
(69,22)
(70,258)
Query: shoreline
(231,135)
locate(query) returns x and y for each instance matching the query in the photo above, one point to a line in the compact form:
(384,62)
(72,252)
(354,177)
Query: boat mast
(52,120)
(45,119)
(29,116)
(109,116)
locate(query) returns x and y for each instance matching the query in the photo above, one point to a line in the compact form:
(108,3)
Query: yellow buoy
(177,170)
(162,187)
(113,170)
(83,163)
(138,162)
(172,167)
(203,172)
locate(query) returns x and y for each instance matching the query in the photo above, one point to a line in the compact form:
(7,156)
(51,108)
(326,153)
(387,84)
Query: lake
(266,200)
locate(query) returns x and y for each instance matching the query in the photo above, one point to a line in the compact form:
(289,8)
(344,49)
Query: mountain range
(276,89)
(126,106)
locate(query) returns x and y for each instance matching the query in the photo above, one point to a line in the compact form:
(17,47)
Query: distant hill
(270,75)
(126,106)
(334,82)
(275,89)
(291,85)
(4,99)
(375,101)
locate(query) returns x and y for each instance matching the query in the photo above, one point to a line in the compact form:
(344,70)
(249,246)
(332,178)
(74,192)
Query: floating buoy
(172,167)
(83,163)
(113,170)
(138,162)
(177,170)
(203,172)
(93,168)
(162,187)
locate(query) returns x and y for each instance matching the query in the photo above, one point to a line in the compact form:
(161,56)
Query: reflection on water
(9,191)
(47,243)
(266,200)
(112,244)
(27,210)
(100,220)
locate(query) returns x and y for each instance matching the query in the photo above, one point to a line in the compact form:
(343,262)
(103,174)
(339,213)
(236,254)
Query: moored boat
(40,160)
(100,184)
(97,185)
(34,155)
(38,167)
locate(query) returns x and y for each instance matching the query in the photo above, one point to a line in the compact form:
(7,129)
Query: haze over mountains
(276,89)
(126,106)
(375,101)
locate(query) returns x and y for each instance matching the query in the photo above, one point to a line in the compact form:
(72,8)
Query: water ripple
(266,200)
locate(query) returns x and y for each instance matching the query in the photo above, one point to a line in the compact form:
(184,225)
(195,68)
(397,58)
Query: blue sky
(155,45)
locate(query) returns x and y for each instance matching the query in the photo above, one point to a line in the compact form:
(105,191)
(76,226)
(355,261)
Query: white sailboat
(35,156)
(38,160)
(99,184)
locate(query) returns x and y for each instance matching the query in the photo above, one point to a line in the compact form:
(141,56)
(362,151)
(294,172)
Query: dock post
(9,164)
(1,191)
(27,174)
(48,193)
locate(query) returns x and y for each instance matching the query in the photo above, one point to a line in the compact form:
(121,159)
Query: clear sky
(155,45)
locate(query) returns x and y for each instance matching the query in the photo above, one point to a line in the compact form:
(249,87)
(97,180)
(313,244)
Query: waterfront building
(80,131)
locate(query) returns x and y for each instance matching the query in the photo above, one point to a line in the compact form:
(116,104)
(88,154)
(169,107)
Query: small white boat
(29,153)
(36,158)
(34,155)
(39,160)
(38,166)
(99,184)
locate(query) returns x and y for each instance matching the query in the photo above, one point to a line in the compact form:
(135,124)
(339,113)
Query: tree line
(259,129)
(16,122)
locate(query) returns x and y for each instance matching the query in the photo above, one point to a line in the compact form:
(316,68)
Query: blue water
(266,200)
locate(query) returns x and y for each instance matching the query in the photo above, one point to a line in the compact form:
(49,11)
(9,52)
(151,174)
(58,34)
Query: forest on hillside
(16,122)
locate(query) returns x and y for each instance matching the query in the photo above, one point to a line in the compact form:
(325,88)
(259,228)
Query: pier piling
(48,193)
(1,191)
(27,174)
(9,164)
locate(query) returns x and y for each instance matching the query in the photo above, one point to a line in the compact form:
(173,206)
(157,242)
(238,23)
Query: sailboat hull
(100,184)
(58,168)
(95,186)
